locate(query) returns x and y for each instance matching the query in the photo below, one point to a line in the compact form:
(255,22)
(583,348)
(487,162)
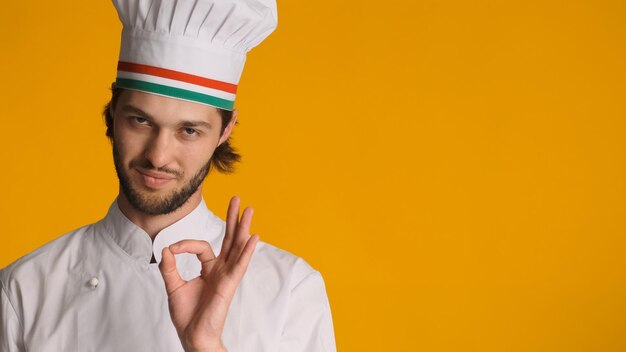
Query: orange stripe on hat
(176,75)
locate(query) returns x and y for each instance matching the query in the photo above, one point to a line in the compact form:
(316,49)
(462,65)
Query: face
(162,149)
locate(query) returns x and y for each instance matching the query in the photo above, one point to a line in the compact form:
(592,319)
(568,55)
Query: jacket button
(94,282)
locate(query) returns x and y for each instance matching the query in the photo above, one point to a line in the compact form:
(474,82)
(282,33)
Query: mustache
(145,164)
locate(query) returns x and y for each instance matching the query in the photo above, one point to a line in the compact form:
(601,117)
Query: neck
(153,224)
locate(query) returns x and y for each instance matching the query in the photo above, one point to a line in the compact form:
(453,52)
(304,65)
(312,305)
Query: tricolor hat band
(176,84)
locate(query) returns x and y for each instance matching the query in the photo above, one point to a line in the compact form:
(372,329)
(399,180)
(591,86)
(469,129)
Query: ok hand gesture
(198,307)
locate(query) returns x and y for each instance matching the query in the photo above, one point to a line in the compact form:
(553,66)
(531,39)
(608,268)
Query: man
(160,272)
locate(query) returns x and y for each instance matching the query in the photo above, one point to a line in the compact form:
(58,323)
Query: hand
(199,307)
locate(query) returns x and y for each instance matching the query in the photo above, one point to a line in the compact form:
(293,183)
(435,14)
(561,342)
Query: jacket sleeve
(308,325)
(11,335)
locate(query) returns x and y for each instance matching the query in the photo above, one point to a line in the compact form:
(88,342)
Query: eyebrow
(184,123)
(136,110)
(195,124)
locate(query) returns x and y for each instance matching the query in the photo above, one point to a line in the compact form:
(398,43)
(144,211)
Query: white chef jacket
(94,289)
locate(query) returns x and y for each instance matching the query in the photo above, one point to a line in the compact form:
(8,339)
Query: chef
(161,272)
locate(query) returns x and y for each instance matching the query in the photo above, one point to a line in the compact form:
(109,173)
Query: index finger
(200,248)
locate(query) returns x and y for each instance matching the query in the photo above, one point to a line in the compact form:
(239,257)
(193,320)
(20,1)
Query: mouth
(154,179)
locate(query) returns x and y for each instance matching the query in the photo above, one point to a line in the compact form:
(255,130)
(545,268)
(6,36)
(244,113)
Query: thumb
(170,274)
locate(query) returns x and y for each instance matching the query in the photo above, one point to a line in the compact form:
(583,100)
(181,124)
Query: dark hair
(224,157)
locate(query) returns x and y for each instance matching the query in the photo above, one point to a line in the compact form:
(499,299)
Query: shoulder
(281,280)
(271,264)
(40,262)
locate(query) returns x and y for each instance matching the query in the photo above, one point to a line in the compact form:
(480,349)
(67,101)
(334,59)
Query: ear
(229,128)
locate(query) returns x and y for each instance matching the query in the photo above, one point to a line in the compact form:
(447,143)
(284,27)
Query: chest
(114,304)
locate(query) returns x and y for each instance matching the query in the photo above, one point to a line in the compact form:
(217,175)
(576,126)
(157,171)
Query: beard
(157,205)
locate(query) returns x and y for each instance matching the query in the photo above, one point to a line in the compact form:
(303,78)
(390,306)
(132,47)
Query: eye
(140,120)
(190,131)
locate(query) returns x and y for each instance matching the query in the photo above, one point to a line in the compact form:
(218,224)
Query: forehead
(165,110)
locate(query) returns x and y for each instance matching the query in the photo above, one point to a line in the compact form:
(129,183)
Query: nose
(159,150)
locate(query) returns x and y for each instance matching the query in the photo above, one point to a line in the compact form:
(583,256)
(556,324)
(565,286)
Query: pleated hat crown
(193,50)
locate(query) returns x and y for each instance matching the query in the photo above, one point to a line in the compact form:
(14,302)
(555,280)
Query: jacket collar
(200,224)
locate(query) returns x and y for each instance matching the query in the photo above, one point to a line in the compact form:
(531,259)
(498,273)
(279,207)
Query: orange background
(455,169)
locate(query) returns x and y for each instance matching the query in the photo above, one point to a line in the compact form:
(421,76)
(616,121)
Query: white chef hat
(190,49)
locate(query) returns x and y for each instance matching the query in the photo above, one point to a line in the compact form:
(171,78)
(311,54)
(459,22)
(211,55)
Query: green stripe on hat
(175,92)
